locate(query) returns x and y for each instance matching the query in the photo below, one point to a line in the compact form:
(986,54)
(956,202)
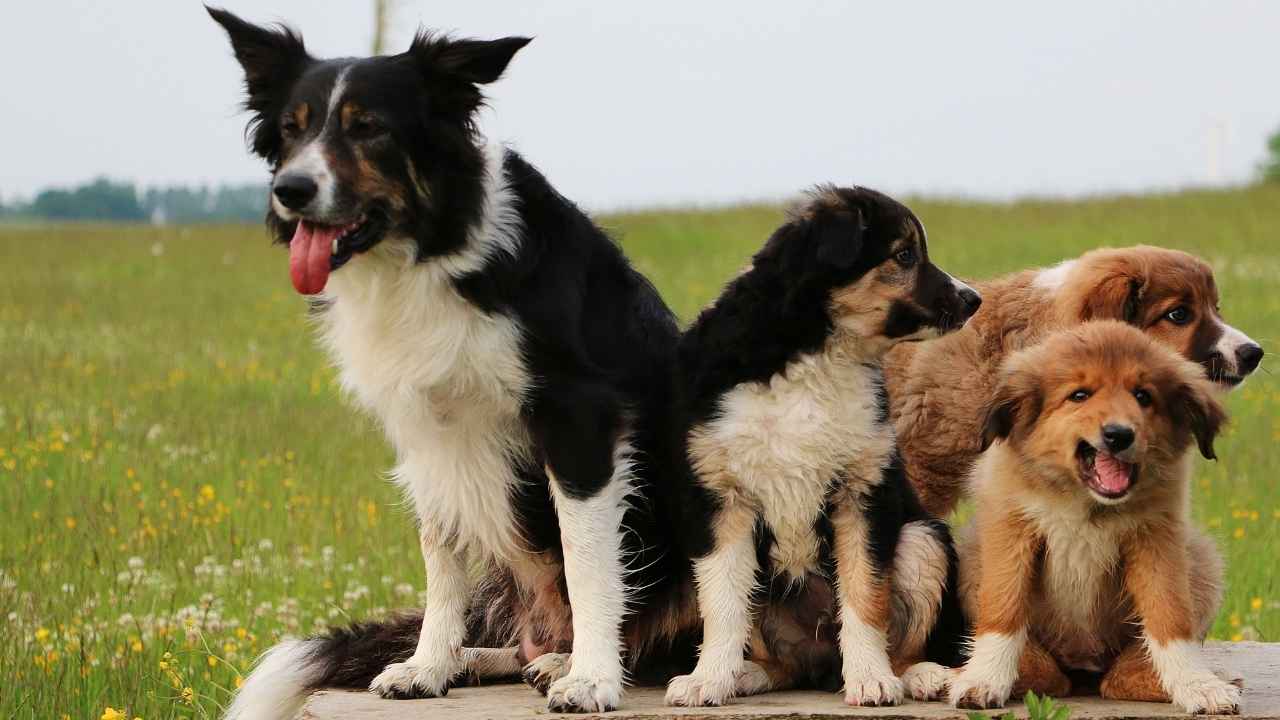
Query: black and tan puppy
(784,419)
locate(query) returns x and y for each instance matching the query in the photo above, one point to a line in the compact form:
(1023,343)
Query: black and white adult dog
(508,349)
(784,418)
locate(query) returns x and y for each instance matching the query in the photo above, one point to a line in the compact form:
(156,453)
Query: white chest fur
(445,379)
(1081,574)
(781,444)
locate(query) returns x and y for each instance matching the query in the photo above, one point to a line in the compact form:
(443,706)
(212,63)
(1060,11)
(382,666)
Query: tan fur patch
(1133,677)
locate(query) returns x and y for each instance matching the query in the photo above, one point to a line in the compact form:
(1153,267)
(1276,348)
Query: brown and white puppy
(1168,294)
(1082,555)
(783,418)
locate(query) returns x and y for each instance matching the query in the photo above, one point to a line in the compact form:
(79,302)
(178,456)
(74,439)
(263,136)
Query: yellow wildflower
(70,522)
(113,714)
(1256,603)
(213,661)
(42,634)
(188,695)
(1239,533)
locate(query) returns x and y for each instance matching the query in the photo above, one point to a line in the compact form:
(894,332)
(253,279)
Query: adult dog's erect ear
(272,59)
(473,61)
(837,238)
(1195,407)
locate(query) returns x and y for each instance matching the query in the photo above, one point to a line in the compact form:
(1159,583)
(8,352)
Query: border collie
(784,418)
(510,352)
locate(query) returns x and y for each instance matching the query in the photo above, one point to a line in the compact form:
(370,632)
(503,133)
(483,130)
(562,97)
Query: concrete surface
(1257,663)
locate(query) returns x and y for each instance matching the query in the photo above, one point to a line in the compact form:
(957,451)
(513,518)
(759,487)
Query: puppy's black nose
(971,301)
(294,191)
(1117,437)
(1248,357)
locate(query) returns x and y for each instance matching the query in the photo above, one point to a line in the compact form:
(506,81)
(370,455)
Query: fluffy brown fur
(935,387)
(1082,556)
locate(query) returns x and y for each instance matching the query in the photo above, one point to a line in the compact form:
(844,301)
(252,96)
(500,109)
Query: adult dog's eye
(1079,396)
(905,257)
(290,128)
(1143,397)
(1178,316)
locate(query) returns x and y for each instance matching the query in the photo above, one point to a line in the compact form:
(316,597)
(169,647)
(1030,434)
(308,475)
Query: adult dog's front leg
(591,536)
(725,578)
(438,657)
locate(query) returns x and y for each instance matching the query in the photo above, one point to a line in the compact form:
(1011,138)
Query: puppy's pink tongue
(1113,475)
(309,252)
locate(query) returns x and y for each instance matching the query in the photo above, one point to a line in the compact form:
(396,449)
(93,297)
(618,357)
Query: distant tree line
(103,199)
(1271,168)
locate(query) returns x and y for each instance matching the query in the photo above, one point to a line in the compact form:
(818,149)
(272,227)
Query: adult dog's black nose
(1248,357)
(294,191)
(1117,437)
(971,301)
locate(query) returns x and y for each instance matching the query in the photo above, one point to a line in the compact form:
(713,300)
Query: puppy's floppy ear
(1117,297)
(1016,403)
(272,59)
(1194,406)
(472,61)
(837,238)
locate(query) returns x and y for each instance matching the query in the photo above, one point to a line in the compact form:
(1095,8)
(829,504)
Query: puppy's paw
(700,690)
(872,689)
(575,694)
(1207,695)
(968,690)
(411,679)
(546,669)
(752,680)
(927,681)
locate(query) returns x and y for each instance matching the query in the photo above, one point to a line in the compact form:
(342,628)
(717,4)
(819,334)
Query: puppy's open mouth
(316,249)
(1103,473)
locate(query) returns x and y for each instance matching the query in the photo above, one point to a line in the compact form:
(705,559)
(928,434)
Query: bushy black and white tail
(928,619)
(348,657)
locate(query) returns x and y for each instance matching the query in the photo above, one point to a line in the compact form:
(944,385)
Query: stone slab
(1257,663)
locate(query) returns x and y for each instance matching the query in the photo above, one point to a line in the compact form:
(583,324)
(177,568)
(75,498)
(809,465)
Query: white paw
(872,689)
(700,690)
(752,680)
(1208,695)
(546,669)
(411,679)
(584,694)
(926,681)
(969,690)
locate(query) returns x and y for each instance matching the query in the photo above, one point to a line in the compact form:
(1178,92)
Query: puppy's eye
(1178,316)
(364,128)
(1143,397)
(1079,396)
(290,128)
(905,257)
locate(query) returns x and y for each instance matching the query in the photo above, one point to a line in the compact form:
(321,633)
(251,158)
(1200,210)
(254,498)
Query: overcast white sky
(697,101)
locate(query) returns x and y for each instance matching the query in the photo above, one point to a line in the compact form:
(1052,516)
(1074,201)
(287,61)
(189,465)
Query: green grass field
(182,483)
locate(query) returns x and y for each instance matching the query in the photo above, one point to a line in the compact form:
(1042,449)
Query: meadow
(182,484)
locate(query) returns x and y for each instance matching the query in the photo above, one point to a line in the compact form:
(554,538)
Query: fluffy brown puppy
(937,388)
(1082,555)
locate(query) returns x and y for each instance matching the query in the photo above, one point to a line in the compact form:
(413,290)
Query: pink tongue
(309,256)
(1113,475)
